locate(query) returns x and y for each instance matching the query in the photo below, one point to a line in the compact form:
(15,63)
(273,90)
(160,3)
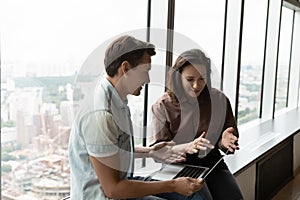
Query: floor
(291,191)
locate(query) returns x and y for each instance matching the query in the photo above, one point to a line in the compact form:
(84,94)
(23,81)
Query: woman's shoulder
(217,92)
(218,96)
(164,101)
(165,98)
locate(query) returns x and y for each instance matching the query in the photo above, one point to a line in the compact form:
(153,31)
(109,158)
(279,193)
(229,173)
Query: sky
(56,36)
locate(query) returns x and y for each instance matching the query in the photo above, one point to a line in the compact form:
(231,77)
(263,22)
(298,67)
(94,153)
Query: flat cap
(123,45)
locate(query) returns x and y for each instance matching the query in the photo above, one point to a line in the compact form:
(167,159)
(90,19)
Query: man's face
(139,75)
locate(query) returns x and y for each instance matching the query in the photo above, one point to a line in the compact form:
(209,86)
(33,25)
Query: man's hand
(187,186)
(163,152)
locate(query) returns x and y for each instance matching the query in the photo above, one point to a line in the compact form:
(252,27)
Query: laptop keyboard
(190,171)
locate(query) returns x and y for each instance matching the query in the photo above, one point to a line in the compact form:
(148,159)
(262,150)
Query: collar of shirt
(105,90)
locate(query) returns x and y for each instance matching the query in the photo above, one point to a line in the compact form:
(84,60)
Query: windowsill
(260,136)
(256,138)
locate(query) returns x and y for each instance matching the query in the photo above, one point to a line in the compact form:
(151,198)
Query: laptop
(172,171)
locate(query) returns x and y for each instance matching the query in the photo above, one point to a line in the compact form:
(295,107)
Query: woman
(199,119)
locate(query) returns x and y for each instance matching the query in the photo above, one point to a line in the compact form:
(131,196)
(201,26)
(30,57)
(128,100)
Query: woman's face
(194,79)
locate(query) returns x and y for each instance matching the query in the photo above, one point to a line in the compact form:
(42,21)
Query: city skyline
(46,44)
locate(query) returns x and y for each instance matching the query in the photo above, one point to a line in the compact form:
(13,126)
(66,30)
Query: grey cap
(123,45)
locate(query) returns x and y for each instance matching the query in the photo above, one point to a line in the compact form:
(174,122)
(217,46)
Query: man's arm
(161,151)
(168,152)
(117,188)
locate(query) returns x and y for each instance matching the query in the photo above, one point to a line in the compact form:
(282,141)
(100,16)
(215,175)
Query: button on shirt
(100,130)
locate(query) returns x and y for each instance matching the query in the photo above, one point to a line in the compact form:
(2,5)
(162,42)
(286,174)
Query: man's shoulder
(102,96)
(88,115)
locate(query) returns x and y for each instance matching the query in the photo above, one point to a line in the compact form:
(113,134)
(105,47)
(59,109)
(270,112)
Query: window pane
(156,88)
(283,58)
(43,44)
(253,43)
(202,22)
(158,36)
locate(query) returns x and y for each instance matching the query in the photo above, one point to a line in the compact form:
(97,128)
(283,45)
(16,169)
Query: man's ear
(125,66)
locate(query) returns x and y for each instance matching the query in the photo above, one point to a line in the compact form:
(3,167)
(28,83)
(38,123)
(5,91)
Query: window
(45,47)
(284,58)
(43,44)
(252,58)
(203,23)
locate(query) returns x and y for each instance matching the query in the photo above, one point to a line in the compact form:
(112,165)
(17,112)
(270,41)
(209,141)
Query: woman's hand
(187,186)
(229,140)
(199,144)
(164,152)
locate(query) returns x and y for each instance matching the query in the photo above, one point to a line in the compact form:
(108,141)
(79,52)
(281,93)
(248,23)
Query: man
(101,149)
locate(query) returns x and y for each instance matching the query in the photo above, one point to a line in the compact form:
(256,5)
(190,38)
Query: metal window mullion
(224,45)
(170,34)
(290,61)
(145,113)
(298,96)
(239,60)
(264,63)
(276,65)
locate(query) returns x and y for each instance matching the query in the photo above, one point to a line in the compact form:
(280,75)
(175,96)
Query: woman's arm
(229,140)
(199,144)
(161,131)
(230,135)
(117,188)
